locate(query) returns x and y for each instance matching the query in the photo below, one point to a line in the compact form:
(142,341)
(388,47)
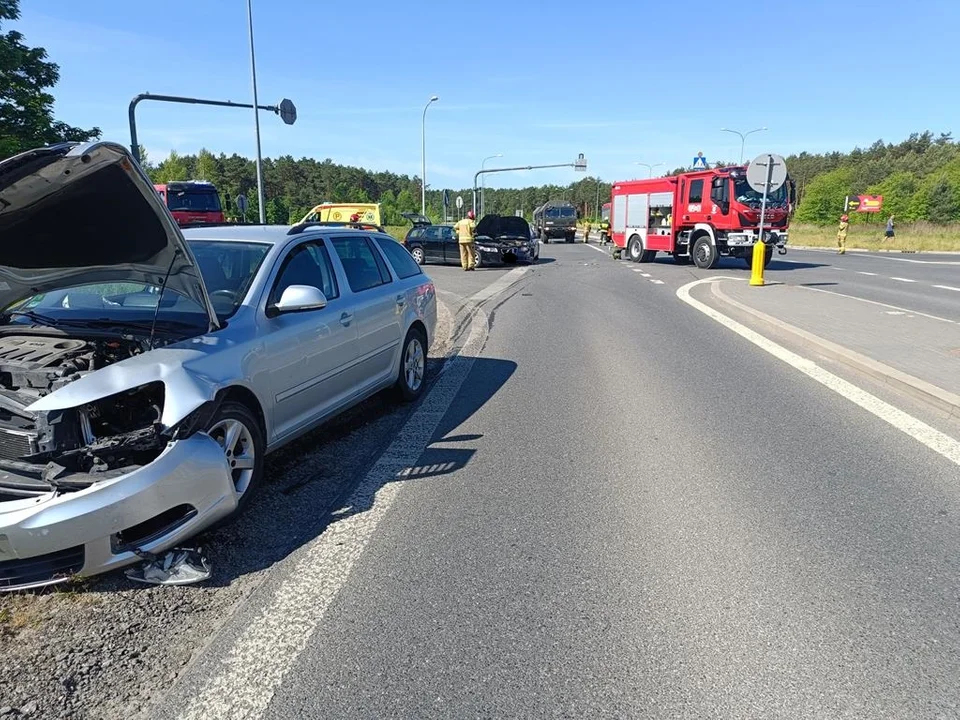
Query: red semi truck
(698,216)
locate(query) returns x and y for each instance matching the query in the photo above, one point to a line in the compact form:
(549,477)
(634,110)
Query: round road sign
(757,172)
(459,202)
(287,111)
(242,203)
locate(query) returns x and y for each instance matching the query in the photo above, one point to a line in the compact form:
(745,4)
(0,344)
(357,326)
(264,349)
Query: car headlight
(486,248)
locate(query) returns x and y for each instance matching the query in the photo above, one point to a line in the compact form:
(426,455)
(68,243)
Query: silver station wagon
(145,372)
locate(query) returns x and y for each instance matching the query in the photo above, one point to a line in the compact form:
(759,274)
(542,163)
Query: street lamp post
(483,186)
(256,117)
(423,157)
(597,210)
(650,167)
(743,137)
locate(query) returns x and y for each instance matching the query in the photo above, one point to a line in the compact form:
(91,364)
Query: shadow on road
(816,284)
(309,484)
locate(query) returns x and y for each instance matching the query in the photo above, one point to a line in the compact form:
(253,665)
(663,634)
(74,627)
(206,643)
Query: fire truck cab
(698,216)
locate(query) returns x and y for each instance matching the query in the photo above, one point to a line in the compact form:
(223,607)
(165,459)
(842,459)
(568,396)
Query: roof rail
(300,227)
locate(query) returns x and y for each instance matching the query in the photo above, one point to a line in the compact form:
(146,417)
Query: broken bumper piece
(59,535)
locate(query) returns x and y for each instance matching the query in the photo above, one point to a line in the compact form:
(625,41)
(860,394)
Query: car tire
(635,248)
(543,238)
(234,418)
(704,254)
(477,260)
(418,255)
(412,374)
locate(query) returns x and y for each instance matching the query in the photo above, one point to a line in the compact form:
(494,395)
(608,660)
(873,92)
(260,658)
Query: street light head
(434,98)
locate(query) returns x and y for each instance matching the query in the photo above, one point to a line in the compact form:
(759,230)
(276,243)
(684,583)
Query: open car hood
(503,226)
(74,214)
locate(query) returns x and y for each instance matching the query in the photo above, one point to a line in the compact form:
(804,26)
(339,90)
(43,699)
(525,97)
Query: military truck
(554,220)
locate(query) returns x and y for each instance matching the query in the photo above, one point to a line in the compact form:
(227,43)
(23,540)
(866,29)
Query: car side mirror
(298,298)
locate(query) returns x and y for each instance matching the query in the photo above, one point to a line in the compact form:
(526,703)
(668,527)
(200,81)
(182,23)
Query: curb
(943,400)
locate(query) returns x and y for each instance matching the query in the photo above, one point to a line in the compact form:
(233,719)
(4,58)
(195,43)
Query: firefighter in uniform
(466,231)
(842,235)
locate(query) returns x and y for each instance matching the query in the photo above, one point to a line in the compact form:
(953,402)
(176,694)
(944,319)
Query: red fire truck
(192,202)
(698,216)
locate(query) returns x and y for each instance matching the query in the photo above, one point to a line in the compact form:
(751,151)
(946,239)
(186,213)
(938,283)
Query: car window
(307,264)
(447,234)
(361,263)
(403,264)
(415,233)
(381,263)
(431,233)
(696,191)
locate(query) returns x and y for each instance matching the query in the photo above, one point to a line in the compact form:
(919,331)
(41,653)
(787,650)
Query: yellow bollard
(759,253)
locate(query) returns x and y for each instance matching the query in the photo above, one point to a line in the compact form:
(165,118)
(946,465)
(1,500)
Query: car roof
(272,234)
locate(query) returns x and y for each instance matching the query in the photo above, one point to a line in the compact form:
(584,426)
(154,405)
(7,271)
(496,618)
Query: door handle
(401,301)
(345,318)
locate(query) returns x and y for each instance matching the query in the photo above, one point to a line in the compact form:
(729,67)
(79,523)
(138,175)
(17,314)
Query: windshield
(746,195)
(228,270)
(561,212)
(109,304)
(193,200)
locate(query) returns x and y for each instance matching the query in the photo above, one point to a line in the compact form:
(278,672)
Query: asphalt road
(626,511)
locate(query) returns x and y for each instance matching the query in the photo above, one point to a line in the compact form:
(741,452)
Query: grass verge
(916,237)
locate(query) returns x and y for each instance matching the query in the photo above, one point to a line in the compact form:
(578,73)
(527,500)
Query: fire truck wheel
(681,259)
(635,248)
(704,254)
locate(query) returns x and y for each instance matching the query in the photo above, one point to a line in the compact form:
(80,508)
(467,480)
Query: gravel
(103,647)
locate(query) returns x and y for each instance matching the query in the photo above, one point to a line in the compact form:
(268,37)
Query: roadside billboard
(864,203)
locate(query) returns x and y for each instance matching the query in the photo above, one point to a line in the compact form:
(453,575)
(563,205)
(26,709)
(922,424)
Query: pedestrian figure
(842,235)
(466,231)
(889,233)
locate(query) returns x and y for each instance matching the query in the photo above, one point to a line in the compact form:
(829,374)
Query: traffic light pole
(476,177)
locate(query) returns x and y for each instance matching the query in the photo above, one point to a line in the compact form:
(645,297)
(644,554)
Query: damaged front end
(88,488)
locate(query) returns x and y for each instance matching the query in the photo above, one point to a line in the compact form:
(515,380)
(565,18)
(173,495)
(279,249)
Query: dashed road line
(881,304)
(900,279)
(657,282)
(861,272)
(947,287)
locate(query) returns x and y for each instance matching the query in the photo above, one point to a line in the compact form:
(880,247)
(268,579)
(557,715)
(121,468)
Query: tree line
(292,187)
(919,179)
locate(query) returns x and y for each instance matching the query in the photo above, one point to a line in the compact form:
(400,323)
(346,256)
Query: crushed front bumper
(50,538)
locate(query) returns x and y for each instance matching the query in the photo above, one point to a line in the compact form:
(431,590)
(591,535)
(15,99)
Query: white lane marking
(499,286)
(937,441)
(861,272)
(947,287)
(880,256)
(657,282)
(640,271)
(881,304)
(254,667)
(894,312)
(899,279)
(594,247)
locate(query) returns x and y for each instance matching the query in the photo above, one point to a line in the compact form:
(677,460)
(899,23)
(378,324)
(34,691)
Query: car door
(432,248)
(376,304)
(451,248)
(308,351)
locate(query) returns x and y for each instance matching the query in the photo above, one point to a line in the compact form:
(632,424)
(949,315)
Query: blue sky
(620,81)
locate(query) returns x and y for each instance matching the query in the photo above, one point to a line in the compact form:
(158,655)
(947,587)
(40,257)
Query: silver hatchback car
(145,372)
